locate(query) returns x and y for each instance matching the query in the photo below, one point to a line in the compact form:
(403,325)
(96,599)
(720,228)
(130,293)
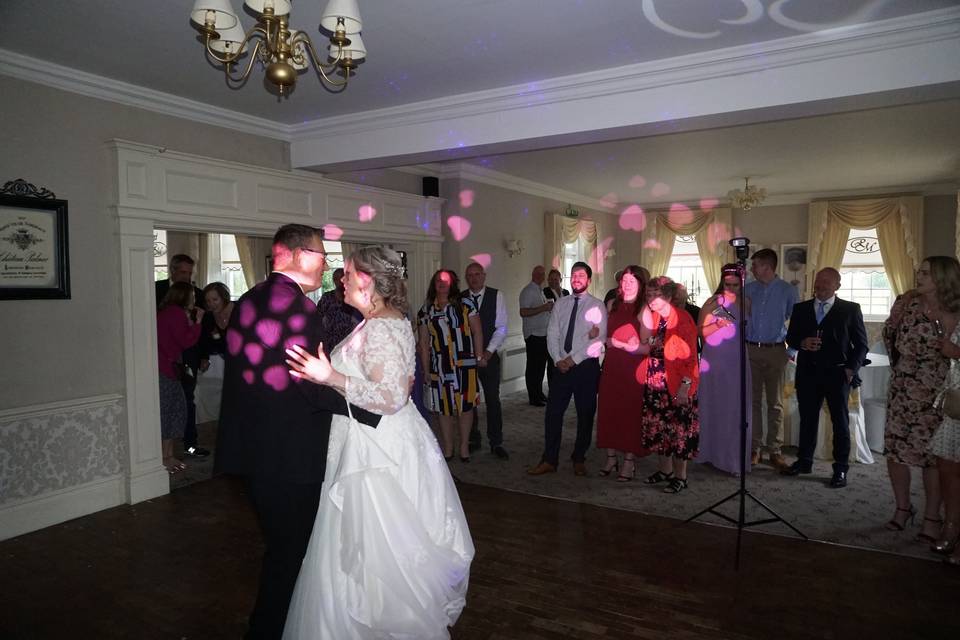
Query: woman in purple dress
(720,377)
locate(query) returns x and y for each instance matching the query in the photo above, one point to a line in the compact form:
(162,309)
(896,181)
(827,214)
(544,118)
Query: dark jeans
(286,513)
(581,383)
(812,389)
(490,379)
(189,384)
(537,359)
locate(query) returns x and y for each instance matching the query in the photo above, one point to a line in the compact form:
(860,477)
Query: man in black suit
(274,428)
(181,270)
(832,342)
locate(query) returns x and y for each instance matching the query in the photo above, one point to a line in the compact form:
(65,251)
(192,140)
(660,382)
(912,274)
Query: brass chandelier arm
(256,31)
(308,45)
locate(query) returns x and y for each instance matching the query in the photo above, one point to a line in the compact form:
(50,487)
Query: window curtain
(560,230)
(201,274)
(253,252)
(712,230)
(899,224)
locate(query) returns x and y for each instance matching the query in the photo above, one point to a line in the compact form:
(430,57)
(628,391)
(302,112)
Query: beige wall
(65,349)
(383,179)
(940,225)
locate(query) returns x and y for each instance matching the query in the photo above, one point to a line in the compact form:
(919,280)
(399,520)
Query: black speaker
(431,187)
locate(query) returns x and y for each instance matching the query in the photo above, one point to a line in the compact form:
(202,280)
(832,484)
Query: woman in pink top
(178,327)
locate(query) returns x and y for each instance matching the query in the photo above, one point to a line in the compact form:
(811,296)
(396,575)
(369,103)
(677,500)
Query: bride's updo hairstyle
(386,269)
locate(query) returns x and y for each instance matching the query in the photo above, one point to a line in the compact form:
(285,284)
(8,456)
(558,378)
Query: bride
(390,552)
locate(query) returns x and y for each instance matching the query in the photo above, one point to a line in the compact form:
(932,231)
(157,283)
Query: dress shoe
(542,468)
(777,461)
(579,469)
(500,452)
(839,480)
(755,457)
(196,452)
(796,469)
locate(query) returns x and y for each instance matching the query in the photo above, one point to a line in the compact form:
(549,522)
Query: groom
(273,428)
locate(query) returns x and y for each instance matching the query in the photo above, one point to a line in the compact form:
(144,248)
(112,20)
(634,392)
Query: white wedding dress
(390,552)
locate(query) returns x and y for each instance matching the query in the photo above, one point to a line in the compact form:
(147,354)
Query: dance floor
(185,566)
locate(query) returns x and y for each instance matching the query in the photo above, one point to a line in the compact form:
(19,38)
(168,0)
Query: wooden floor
(185,566)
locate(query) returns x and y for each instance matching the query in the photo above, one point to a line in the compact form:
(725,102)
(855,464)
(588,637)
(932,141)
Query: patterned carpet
(851,516)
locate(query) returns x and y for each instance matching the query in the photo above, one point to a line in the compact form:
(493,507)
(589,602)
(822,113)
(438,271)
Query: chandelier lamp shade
(283,52)
(748,197)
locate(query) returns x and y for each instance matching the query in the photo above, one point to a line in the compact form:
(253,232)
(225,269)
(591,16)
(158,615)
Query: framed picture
(34,254)
(793,267)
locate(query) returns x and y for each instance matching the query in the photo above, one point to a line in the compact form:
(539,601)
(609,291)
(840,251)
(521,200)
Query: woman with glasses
(719,396)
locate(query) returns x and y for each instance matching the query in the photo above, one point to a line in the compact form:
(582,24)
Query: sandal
(925,537)
(610,469)
(658,477)
(676,485)
(627,477)
(893,525)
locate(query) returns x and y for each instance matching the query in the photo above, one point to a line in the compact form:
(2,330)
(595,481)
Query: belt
(765,345)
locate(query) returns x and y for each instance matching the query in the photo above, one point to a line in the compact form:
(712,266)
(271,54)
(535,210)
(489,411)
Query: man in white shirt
(575,338)
(535,314)
(493,318)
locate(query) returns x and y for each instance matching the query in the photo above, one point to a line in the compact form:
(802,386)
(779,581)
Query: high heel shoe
(926,537)
(624,476)
(610,469)
(948,543)
(893,525)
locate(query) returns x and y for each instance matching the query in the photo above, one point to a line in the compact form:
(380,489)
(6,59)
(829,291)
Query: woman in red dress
(618,430)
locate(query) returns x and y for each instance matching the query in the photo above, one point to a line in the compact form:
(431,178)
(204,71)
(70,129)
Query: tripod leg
(777,516)
(713,506)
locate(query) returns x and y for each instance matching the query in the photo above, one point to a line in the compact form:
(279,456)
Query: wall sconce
(610,253)
(513,247)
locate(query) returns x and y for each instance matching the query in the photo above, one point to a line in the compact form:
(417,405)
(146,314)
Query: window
(862,276)
(685,267)
(576,251)
(230,270)
(334,261)
(160,258)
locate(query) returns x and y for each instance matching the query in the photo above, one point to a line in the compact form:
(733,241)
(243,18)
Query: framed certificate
(34,256)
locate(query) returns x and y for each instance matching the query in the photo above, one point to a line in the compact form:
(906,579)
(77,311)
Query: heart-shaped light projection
(466,198)
(366,213)
(483,259)
(332,232)
(459,227)
(633,218)
(660,189)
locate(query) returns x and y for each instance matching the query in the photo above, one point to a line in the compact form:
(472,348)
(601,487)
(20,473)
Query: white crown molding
(474,173)
(846,41)
(933,189)
(59,77)
(426,169)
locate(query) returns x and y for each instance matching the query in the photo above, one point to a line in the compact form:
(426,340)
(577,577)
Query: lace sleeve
(386,359)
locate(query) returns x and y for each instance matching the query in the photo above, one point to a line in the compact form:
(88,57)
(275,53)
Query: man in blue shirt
(772,301)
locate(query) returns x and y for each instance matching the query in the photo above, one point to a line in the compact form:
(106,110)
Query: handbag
(951,403)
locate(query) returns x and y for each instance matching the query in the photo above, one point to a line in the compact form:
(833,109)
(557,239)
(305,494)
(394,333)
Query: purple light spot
(248,314)
(254,353)
(277,377)
(248,376)
(281,299)
(297,322)
(300,341)
(234,341)
(268,330)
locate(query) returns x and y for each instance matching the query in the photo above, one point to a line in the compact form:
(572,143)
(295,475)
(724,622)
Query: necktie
(820,311)
(568,340)
(476,301)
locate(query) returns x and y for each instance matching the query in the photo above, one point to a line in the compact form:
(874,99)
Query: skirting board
(53,508)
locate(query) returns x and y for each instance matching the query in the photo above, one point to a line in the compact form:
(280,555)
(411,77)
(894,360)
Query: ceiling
(427,49)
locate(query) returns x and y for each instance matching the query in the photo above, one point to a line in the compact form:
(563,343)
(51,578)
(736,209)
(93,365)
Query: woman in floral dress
(669,420)
(919,372)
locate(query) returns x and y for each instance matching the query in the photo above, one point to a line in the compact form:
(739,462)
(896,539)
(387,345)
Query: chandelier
(748,197)
(283,52)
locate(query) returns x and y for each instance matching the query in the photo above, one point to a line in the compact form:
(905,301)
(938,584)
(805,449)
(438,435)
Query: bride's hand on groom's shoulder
(309,367)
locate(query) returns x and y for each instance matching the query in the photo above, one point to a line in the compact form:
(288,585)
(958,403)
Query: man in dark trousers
(274,428)
(493,318)
(181,270)
(832,342)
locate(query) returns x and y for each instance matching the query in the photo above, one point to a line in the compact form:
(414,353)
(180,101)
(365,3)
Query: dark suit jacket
(191,356)
(550,295)
(844,338)
(273,426)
